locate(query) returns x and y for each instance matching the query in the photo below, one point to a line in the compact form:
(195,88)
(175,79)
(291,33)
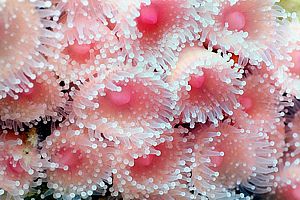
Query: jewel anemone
(25,38)
(207,85)
(141,179)
(226,164)
(21,166)
(79,164)
(131,105)
(262,103)
(86,46)
(250,29)
(288,182)
(42,100)
(160,26)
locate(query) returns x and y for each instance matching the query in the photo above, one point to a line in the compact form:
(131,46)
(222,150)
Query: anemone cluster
(149,99)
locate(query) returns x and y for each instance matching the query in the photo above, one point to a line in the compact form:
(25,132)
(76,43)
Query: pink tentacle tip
(236,20)
(144,161)
(197,81)
(246,102)
(121,98)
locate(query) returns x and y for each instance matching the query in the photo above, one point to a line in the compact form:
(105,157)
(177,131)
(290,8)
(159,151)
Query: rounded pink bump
(197,81)
(14,167)
(2,28)
(79,49)
(148,15)
(236,21)
(68,157)
(27,93)
(296,61)
(79,52)
(217,161)
(296,193)
(120,98)
(246,102)
(144,161)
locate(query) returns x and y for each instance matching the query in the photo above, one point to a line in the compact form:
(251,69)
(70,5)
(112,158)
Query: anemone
(25,39)
(248,28)
(262,102)
(288,182)
(203,179)
(160,26)
(140,179)
(42,100)
(131,105)
(225,161)
(79,164)
(21,166)
(207,85)
(293,134)
(80,58)
(287,71)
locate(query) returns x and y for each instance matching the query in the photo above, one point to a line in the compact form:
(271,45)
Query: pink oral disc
(296,61)
(120,98)
(217,161)
(296,193)
(68,158)
(148,15)
(2,28)
(246,102)
(79,49)
(197,81)
(79,52)
(236,21)
(144,161)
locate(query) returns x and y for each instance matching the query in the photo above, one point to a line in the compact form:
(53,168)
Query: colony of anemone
(149,99)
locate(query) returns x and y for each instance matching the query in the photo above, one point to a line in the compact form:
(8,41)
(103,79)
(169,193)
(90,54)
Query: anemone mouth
(149,165)
(153,22)
(149,18)
(236,21)
(79,53)
(68,158)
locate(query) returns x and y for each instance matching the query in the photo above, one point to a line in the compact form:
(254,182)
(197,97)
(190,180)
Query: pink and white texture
(149,99)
